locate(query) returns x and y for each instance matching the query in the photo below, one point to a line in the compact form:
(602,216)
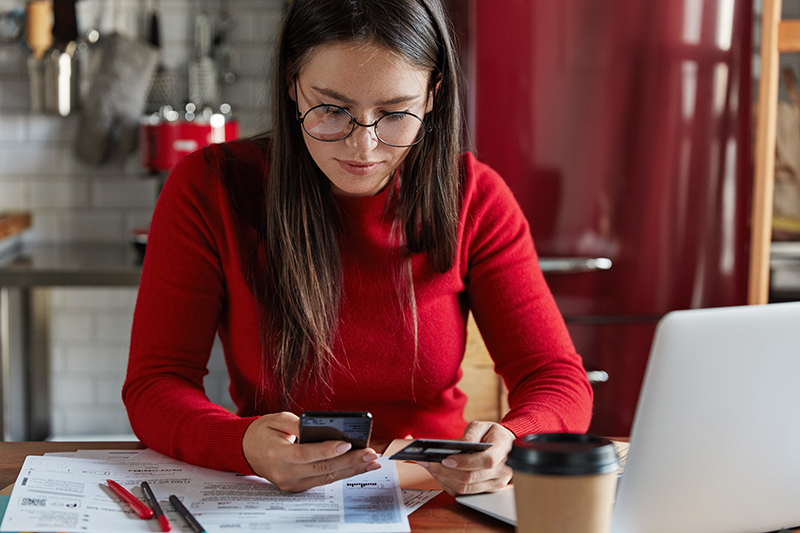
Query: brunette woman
(338,257)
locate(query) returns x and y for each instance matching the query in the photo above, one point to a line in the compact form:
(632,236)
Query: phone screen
(351,426)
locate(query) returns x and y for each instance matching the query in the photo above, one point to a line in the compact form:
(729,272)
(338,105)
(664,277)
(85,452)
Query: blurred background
(104,199)
(624,128)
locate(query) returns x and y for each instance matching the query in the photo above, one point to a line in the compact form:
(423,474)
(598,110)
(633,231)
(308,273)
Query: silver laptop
(715,445)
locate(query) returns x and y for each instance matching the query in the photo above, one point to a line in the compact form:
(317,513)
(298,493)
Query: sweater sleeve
(517,314)
(181,296)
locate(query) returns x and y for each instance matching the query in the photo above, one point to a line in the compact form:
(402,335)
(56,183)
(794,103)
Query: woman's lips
(359,168)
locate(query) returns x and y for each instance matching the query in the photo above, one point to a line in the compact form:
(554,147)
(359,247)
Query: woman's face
(369,81)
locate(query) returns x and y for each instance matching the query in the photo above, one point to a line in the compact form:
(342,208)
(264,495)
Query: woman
(338,258)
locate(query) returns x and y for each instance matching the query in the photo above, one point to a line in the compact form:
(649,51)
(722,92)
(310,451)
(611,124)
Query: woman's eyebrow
(341,98)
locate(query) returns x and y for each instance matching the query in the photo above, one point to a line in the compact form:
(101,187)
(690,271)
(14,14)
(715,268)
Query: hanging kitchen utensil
(40,31)
(225,55)
(12,23)
(203,88)
(164,89)
(62,80)
(61,65)
(116,97)
(65,23)
(39,14)
(91,43)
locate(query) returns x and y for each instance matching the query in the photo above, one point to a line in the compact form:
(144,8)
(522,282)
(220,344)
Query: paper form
(369,502)
(413,499)
(69,494)
(113,455)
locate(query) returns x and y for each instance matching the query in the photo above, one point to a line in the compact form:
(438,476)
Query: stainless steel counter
(76,264)
(26,276)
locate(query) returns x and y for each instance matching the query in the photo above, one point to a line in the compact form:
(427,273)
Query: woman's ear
(432,94)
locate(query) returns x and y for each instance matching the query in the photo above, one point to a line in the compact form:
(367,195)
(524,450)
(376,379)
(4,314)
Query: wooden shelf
(12,223)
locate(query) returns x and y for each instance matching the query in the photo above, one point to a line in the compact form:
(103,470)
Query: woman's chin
(359,187)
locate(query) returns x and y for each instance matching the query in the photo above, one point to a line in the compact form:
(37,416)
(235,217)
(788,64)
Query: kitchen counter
(75,264)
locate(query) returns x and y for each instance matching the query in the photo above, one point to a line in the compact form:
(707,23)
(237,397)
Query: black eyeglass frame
(302,116)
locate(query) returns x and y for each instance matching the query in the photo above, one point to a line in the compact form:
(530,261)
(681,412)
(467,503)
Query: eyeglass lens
(333,123)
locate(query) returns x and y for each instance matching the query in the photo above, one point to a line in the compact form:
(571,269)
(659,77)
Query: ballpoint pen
(153,503)
(141,509)
(186,515)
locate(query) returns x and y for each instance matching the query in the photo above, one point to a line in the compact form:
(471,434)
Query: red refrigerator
(623,128)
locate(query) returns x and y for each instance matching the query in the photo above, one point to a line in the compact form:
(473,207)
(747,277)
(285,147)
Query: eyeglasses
(331,123)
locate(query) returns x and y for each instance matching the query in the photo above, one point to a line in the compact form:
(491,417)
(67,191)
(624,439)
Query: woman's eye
(333,111)
(394,117)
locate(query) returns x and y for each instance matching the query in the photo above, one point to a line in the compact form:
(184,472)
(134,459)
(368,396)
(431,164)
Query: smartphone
(435,450)
(354,427)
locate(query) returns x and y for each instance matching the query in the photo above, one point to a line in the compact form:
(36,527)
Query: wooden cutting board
(12,223)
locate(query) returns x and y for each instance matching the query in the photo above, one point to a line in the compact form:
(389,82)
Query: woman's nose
(363,138)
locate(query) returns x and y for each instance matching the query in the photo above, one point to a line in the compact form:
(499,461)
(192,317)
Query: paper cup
(564,482)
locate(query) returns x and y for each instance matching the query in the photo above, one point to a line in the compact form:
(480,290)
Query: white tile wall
(73,201)
(60,193)
(45,227)
(13,128)
(90,331)
(12,194)
(93,225)
(124,193)
(114,326)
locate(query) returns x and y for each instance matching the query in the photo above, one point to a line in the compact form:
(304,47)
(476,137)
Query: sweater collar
(365,206)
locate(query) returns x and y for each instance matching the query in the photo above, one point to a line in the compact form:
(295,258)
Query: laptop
(715,443)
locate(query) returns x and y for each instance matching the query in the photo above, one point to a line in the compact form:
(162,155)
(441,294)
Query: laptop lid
(498,504)
(715,444)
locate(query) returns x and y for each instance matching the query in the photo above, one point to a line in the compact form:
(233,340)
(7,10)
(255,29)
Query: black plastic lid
(563,454)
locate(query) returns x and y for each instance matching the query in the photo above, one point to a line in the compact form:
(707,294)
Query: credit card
(435,450)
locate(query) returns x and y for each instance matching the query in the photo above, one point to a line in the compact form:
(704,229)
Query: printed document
(69,494)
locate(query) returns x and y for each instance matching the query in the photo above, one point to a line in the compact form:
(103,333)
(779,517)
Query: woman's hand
(269,445)
(484,471)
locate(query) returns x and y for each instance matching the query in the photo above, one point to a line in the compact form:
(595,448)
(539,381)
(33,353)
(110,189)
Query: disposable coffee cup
(563,483)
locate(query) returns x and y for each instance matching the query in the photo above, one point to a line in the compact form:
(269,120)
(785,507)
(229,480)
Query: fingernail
(369,457)
(449,463)
(343,447)
(373,466)
(423,464)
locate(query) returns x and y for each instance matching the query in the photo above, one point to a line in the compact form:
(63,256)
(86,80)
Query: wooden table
(442,514)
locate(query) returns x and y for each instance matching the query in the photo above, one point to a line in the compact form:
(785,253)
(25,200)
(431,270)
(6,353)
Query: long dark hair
(304,273)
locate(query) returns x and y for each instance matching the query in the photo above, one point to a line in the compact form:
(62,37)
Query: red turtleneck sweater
(193,286)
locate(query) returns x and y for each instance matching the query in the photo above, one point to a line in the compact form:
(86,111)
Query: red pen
(141,509)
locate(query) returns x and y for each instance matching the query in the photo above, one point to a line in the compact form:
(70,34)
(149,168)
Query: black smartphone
(354,427)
